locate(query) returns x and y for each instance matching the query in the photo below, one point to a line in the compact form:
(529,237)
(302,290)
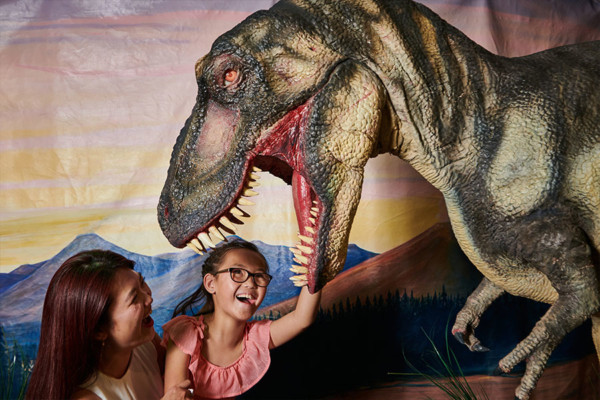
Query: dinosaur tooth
(193,247)
(236,211)
(304,249)
(254,176)
(298,269)
(309,229)
(252,184)
(298,278)
(295,251)
(301,259)
(203,236)
(197,243)
(315,209)
(306,239)
(256,169)
(227,223)
(214,231)
(314,221)
(237,220)
(249,193)
(244,202)
(300,282)
(314,213)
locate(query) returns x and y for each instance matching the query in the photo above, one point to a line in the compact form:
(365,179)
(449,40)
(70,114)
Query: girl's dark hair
(210,266)
(75,308)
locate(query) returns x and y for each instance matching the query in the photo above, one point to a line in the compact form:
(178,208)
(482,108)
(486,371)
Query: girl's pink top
(212,381)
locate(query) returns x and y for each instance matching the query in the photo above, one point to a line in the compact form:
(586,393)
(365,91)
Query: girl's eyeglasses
(240,275)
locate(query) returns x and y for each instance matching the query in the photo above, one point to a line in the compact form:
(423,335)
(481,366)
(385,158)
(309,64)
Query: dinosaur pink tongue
(302,200)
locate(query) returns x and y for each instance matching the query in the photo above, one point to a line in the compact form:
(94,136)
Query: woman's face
(238,300)
(130,323)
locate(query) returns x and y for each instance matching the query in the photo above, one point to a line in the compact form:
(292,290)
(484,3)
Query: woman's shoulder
(84,394)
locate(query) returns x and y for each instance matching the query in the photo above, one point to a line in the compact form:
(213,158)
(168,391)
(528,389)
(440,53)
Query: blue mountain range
(171,276)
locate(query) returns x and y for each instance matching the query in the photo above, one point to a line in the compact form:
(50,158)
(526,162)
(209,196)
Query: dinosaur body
(310,90)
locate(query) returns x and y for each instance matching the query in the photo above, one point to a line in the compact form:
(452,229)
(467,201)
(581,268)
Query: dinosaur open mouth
(280,154)
(306,206)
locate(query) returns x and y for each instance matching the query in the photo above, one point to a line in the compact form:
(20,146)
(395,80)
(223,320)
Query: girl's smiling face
(238,300)
(129,322)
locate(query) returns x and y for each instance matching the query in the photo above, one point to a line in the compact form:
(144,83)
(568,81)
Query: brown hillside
(421,266)
(574,380)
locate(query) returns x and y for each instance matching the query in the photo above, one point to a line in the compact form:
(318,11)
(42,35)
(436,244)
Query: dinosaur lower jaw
(307,208)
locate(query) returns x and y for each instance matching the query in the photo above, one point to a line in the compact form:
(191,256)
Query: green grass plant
(447,375)
(15,370)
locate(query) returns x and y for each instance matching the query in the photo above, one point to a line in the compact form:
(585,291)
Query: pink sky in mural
(92,106)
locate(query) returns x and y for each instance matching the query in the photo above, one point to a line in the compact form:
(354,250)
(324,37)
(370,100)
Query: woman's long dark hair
(75,309)
(210,266)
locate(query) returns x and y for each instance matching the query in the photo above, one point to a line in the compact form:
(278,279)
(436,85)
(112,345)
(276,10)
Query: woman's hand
(179,391)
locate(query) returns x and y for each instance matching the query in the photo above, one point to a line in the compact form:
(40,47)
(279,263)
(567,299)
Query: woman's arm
(291,324)
(176,366)
(178,392)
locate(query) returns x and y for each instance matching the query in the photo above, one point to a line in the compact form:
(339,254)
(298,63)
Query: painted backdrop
(93,95)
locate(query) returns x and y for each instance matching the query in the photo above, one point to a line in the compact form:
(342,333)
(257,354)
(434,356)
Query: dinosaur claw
(459,336)
(478,347)
(498,371)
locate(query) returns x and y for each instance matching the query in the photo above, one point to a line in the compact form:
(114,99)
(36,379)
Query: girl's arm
(176,366)
(291,324)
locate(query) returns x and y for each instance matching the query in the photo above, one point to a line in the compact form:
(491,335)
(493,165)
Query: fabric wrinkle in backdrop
(93,95)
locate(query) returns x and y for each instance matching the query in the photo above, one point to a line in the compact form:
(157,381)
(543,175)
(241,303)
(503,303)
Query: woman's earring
(102,349)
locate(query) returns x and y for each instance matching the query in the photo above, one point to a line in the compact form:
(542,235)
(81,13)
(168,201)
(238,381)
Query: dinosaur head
(273,96)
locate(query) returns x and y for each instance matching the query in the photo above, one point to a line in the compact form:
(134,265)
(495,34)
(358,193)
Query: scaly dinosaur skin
(310,90)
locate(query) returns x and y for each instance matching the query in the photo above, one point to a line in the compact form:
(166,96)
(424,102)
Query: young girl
(224,353)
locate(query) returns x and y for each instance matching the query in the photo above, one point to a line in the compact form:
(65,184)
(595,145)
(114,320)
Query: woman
(97,338)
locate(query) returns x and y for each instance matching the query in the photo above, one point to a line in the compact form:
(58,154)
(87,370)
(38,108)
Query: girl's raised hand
(291,324)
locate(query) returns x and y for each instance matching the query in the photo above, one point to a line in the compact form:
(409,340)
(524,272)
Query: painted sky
(94,94)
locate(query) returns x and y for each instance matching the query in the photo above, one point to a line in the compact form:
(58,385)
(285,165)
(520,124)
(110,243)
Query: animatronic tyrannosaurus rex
(309,90)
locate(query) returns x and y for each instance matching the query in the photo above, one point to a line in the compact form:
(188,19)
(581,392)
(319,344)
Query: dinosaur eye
(230,76)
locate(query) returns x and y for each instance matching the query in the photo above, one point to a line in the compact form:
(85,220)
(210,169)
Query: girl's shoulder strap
(259,332)
(185,332)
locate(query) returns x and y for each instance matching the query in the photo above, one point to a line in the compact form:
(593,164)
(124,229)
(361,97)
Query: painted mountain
(172,277)
(428,264)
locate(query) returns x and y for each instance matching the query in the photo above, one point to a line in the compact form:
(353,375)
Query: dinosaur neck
(435,77)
